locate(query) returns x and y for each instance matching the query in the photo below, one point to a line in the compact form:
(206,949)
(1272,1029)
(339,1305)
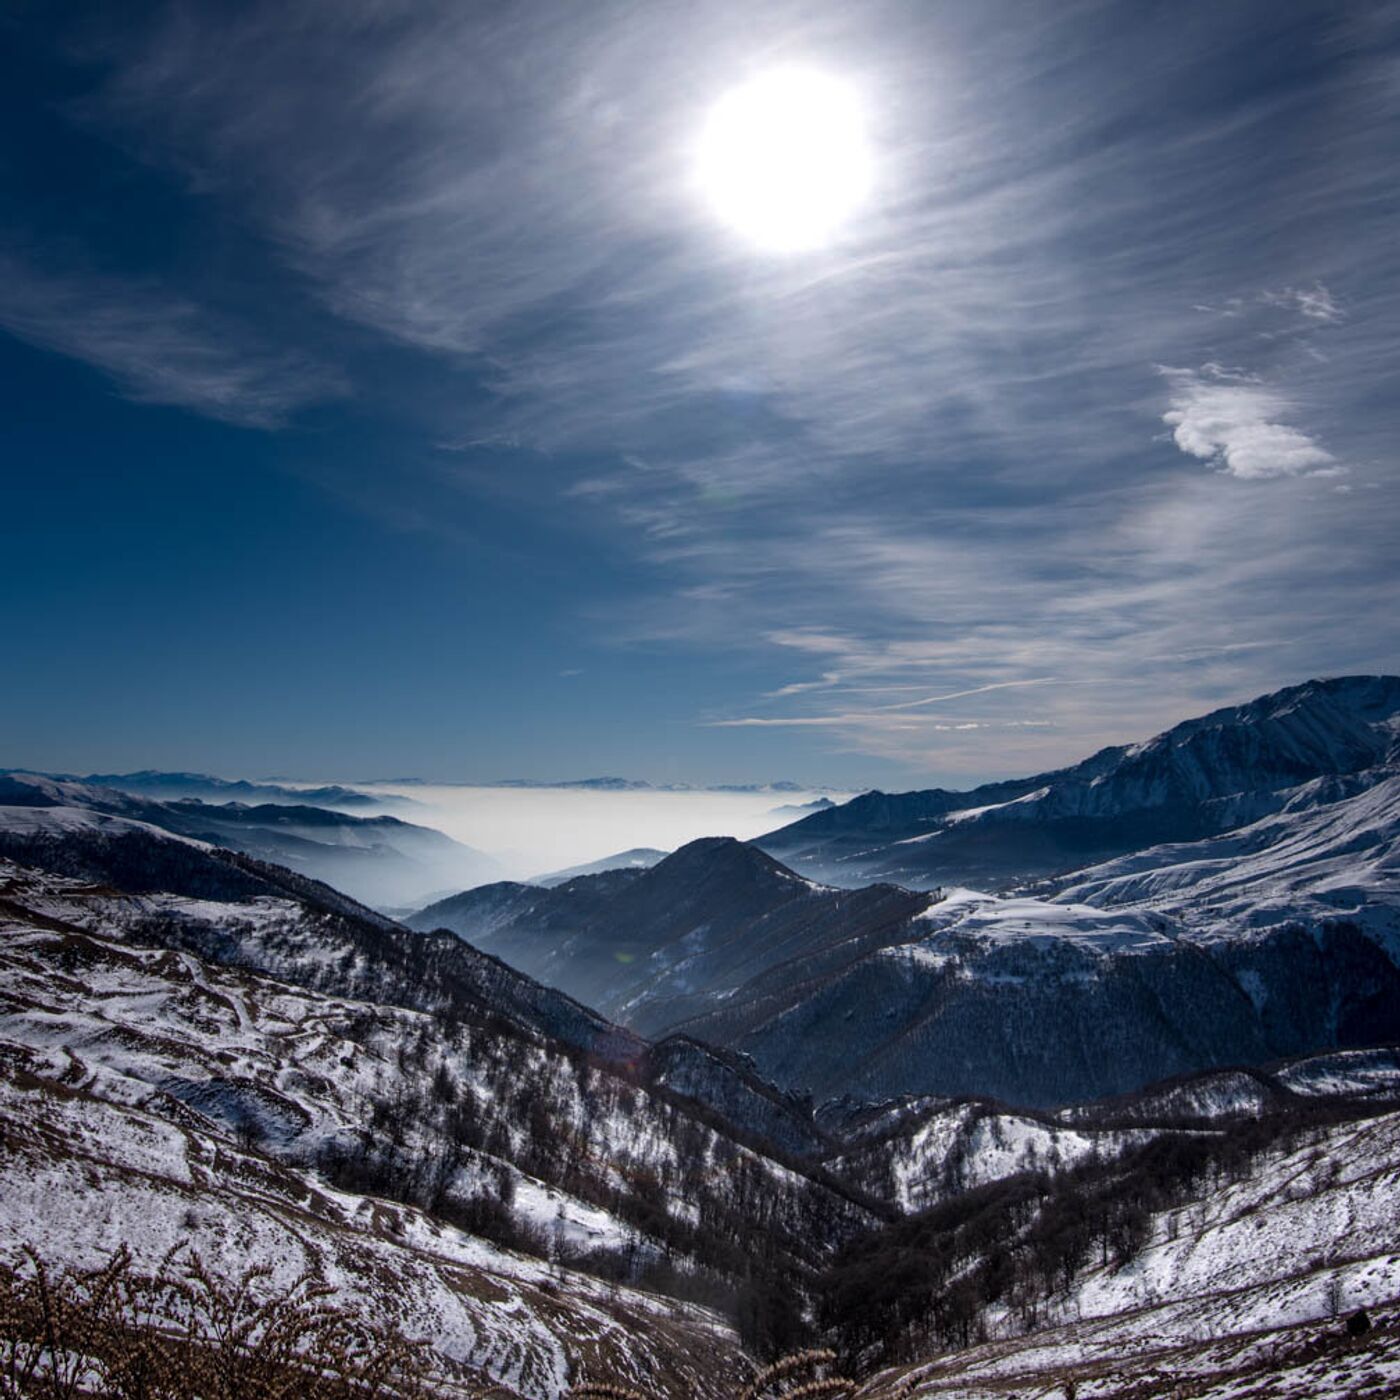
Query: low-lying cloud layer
(536,831)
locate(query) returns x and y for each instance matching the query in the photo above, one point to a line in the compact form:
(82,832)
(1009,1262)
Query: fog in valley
(535,831)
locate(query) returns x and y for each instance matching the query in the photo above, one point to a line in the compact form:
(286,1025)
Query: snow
(1214,1095)
(147,1062)
(991,920)
(965,1145)
(124,1071)
(1017,806)
(1023,807)
(1230,1298)
(128,1177)
(1362,1072)
(1331,854)
(70,819)
(1316,860)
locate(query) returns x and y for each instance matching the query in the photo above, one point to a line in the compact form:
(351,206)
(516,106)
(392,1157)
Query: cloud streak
(161,348)
(930,456)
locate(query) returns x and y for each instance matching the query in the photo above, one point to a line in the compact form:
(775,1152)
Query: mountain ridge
(1277,932)
(650,946)
(1196,779)
(381,859)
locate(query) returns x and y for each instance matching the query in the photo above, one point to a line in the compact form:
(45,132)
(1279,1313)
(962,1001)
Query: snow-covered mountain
(1094,989)
(1197,779)
(201,1049)
(381,859)
(1234,1275)
(167,787)
(1037,1002)
(155,1100)
(234,1000)
(1331,851)
(1278,937)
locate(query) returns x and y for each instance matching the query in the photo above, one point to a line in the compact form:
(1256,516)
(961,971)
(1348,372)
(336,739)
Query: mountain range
(1123,1119)
(380,859)
(1275,933)
(165,786)
(1198,779)
(201,1051)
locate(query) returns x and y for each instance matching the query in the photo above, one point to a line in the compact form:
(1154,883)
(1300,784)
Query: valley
(1132,1127)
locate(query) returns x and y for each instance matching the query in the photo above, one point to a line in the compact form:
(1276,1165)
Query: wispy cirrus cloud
(536,220)
(159,347)
(879,718)
(895,716)
(929,456)
(1179,593)
(1316,302)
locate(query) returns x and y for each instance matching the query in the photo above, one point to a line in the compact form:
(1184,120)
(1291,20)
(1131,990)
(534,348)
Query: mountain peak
(723,858)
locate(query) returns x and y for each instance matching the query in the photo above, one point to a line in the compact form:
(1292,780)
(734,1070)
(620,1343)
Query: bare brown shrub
(114,1334)
(804,1375)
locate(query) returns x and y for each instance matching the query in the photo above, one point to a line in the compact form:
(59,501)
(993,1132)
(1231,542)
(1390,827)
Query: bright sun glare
(783,159)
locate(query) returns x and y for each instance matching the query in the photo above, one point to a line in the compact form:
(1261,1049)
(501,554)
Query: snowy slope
(497,1041)
(133,1081)
(380,859)
(1275,936)
(1234,1294)
(990,921)
(180,1100)
(1359,1073)
(966,1145)
(82,1173)
(152,1072)
(1045,1002)
(1331,853)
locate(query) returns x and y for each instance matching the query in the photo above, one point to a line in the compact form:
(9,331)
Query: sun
(784,160)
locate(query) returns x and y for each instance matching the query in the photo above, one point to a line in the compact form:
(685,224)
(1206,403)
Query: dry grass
(804,1375)
(114,1334)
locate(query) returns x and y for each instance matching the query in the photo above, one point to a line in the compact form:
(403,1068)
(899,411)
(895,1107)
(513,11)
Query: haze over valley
(534,830)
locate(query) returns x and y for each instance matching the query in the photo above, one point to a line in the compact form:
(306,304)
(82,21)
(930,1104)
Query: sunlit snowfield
(533,831)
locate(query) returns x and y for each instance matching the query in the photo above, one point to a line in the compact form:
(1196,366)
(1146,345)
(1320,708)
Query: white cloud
(828,679)
(1235,422)
(872,719)
(1316,303)
(808,639)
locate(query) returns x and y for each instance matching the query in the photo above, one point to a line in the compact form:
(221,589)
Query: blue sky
(381,399)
